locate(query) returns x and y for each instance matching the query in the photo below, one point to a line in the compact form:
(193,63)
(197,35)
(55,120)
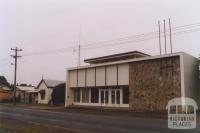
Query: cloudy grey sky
(35,25)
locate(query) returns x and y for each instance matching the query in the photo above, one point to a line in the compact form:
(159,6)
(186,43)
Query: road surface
(91,123)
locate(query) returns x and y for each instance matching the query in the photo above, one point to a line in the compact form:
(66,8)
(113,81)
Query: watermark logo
(182,113)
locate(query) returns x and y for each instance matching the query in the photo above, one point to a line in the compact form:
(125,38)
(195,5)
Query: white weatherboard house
(45,88)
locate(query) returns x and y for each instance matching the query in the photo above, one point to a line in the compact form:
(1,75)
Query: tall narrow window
(113,96)
(118,96)
(94,95)
(125,95)
(85,95)
(42,94)
(106,97)
(77,95)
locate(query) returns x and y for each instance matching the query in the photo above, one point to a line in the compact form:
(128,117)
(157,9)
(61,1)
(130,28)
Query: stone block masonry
(152,83)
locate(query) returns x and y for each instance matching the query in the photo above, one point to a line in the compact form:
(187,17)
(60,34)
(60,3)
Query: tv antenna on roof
(165,36)
(79,48)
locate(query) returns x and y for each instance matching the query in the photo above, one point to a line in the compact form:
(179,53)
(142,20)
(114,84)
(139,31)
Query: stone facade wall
(152,83)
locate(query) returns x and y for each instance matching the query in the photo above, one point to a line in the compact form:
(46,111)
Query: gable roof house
(45,88)
(133,80)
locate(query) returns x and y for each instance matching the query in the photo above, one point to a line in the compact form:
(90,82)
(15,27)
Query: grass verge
(10,125)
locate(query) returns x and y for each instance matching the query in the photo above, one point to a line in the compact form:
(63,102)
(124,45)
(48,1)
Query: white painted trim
(121,96)
(109,94)
(81,95)
(66,88)
(127,61)
(99,104)
(182,76)
(89,95)
(182,79)
(109,104)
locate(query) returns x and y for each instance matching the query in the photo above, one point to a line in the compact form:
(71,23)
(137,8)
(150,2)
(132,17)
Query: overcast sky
(36,25)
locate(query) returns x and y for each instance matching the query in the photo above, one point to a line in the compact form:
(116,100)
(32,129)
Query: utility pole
(15,56)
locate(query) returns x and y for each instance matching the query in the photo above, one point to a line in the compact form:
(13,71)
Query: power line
(141,39)
(129,39)
(50,51)
(145,34)
(137,37)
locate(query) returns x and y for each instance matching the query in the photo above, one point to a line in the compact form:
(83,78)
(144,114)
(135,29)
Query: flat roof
(116,57)
(129,60)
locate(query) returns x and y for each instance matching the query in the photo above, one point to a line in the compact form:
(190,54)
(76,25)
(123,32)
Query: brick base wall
(153,83)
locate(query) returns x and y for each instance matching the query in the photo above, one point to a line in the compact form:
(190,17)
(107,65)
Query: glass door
(115,96)
(104,96)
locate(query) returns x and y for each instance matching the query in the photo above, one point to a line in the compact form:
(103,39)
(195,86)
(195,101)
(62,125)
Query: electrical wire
(124,40)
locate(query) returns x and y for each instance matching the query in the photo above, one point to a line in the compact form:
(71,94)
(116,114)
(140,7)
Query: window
(85,95)
(125,95)
(113,97)
(94,95)
(102,96)
(118,97)
(77,95)
(106,96)
(42,94)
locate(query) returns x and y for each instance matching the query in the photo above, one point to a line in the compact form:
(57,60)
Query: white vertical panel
(111,75)
(100,76)
(123,74)
(73,78)
(81,78)
(90,77)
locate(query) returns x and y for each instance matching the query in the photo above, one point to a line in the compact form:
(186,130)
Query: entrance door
(115,96)
(104,96)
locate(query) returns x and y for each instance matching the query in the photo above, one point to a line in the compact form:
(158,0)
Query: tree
(3,81)
(58,95)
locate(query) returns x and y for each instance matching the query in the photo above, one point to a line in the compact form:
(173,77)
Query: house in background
(31,96)
(133,80)
(45,88)
(6,94)
(27,94)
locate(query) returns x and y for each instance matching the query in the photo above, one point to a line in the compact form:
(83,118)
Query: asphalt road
(91,123)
